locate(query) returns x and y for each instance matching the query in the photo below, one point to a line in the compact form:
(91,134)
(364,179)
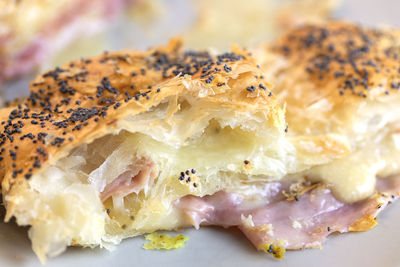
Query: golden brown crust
(326,72)
(365,223)
(345,60)
(83,100)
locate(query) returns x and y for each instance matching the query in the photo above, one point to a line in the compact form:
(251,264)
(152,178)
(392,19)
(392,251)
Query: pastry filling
(135,179)
(302,222)
(131,183)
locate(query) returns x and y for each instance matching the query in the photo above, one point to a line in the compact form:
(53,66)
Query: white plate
(211,246)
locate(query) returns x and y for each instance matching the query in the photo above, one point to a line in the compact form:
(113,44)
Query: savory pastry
(341,79)
(32,31)
(103,147)
(131,142)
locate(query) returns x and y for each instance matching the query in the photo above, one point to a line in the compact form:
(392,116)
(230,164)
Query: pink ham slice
(134,180)
(302,224)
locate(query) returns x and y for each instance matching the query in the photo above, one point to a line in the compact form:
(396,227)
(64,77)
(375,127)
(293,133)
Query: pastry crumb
(275,250)
(164,241)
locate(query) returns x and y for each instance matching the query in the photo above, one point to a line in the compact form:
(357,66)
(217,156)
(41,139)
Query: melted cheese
(352,178)
(219,155)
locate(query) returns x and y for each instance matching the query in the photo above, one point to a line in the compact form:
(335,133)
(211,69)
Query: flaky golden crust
(332,69)
(345,59)
(83,100)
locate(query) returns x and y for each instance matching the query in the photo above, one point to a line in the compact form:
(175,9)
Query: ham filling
(139,176)
(272,216)
(294,224)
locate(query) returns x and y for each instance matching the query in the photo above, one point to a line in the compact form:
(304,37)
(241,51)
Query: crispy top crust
(325,73)
(83,100)
(345,60)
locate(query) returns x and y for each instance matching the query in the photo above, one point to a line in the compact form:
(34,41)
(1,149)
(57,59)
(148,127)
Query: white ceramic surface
(212,246)
(228,247)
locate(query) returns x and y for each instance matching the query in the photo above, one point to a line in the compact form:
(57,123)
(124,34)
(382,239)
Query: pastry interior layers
(129,183)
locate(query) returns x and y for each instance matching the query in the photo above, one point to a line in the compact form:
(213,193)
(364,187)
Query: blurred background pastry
(60,31)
